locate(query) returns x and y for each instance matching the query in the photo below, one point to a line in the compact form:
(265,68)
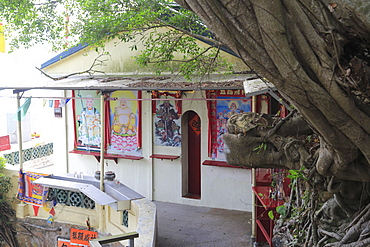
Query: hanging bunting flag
(2,39)
(35,210)
(22,111)
(52,211)
(50,219)
(51,103)
(56,103)
(47,205)
(62,103)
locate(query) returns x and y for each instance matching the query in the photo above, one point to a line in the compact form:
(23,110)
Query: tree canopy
(66,23)
(315,52)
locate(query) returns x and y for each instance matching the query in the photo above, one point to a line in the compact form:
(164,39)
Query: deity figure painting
(89,124)
(225,109)
(167,125)
(124,122)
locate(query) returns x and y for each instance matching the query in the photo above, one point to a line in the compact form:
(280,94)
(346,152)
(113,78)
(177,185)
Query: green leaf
(281,210)
(271,214)
(293,172)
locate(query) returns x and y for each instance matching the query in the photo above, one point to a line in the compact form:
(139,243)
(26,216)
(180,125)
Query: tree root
(362,243)
(361,217)
(7,230)
(331,234)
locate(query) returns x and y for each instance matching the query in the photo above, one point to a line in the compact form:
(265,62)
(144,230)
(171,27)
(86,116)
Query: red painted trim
(212,121)
(107,156)
(164,156)
(74,117)
(264,231)
(221,164)
(139,132)
(107,131)
(209,136)
(262,193)
(268,101)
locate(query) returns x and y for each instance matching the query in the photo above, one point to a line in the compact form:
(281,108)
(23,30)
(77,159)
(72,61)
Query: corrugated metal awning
(257,86)
(134,82)
(89,190)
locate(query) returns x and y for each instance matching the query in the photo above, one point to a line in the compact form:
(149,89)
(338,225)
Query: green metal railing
(111,239)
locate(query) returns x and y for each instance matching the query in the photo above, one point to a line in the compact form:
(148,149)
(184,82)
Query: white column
(20,139)
(102,141)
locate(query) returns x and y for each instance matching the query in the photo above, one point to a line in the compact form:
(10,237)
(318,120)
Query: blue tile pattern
(30,153)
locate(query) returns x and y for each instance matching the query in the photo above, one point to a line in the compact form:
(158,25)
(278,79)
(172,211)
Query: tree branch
(89,71)
(197,36)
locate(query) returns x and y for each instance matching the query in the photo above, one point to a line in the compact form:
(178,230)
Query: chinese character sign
(63,242)
(82,236)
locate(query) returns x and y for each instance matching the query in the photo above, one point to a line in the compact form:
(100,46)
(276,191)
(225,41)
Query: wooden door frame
(185,153)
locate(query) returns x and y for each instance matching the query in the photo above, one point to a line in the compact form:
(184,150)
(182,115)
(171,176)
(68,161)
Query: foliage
(7,214)
(296,174)
(2,162)
(5,183)
(66,23)
(263,146)
(282,210)
(161,50)
(271,214)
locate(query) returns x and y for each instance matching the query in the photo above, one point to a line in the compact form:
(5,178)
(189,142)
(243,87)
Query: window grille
(70,198)
(30,153)
(125,218)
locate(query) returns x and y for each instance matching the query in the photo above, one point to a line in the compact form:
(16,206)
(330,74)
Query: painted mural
(87,109)
(167,121)
(124,122)
(226,103)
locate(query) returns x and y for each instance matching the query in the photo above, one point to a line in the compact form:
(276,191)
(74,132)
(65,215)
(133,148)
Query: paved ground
(189,226)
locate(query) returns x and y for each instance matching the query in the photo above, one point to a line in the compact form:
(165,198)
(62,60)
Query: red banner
(212,126)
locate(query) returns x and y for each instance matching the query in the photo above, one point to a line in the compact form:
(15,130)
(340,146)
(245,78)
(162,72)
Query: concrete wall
(156,179)
(121,59)
(105,220)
